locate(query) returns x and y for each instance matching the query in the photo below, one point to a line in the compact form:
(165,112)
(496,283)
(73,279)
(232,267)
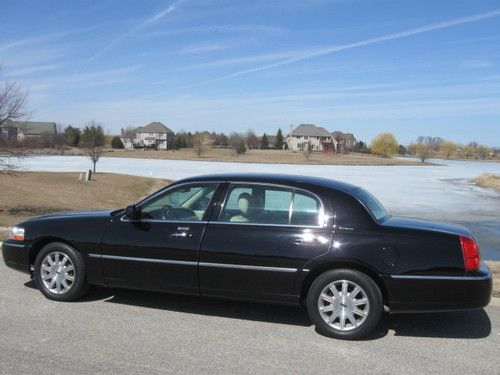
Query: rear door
(257,254)
(159,251)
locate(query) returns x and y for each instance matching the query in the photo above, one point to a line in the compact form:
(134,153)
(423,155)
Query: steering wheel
(165,211)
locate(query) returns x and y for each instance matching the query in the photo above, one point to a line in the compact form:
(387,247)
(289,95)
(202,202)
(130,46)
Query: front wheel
(60,272)
(344,304)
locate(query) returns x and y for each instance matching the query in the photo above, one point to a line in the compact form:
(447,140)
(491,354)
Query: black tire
(78,286)
(374,309)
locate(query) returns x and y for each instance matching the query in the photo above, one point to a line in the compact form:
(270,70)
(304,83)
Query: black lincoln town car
(269,238)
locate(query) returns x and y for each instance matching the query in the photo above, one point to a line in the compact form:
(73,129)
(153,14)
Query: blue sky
(408,67)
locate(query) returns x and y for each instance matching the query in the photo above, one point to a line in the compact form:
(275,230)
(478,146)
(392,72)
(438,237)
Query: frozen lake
(435,192)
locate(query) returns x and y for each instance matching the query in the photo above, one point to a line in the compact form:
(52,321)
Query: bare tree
(307,150)
(12,107)
(93,140)
(199,144)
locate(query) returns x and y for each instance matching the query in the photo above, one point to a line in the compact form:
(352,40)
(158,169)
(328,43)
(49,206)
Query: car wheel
(60,272)
(344,304)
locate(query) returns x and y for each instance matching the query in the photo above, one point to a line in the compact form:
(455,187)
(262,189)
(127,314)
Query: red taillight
(470,251)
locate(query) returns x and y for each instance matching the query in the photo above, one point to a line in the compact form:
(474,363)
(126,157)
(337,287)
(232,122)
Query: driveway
(131,331)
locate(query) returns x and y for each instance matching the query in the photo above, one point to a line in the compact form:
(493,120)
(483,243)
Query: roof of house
(311,131)
(338,135)
(154,127)
(33,127)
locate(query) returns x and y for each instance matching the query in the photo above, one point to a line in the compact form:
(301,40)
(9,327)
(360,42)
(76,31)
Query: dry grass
(251,156)
(262,156)
(488,180)
(28,194)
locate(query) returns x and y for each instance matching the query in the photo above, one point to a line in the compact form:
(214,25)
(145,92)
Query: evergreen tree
(279,140)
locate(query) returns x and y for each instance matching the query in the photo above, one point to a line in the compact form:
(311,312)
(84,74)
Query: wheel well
(337,265)
(39,244)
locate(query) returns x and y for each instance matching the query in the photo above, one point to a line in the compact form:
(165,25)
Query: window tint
(372,204)
(186,203)
(261,204)
(305,210)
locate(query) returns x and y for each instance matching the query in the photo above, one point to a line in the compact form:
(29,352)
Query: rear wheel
(60,272)
(344,304)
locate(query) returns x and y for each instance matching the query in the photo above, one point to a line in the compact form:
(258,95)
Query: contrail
(154,18)
(334,49)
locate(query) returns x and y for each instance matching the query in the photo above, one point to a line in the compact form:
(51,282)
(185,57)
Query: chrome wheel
(57,272)
(343,305)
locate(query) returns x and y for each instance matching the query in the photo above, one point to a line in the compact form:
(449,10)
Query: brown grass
(488,180)
(251,156)
(495,270)
(28,194)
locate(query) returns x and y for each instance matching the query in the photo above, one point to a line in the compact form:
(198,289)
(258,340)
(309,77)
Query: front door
(259,243)
(159,251)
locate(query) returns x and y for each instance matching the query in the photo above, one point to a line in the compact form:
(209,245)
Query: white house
(319,138)
(154,135)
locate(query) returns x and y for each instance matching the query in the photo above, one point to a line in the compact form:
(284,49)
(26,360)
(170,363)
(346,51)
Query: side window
(261,204)
(185,203)
(305,210)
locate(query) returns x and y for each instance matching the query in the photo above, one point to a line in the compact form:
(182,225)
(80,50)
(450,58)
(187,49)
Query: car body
(263,238)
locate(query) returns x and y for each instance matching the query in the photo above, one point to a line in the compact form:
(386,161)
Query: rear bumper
(414,293)
(16,255)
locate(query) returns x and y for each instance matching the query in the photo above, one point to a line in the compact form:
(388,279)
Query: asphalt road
(130,332)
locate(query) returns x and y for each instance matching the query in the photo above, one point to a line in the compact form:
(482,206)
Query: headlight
(17,234)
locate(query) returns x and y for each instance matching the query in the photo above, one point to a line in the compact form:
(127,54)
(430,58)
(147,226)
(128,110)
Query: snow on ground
(435,192)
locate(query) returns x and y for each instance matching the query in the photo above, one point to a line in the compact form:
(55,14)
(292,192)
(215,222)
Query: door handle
(297,240)
(182,232)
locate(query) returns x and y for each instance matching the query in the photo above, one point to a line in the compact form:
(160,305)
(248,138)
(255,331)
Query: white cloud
(206,47)
(476,64)
(305,55)
(148,21)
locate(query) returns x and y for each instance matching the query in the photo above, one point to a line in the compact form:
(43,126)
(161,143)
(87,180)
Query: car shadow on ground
(472,324)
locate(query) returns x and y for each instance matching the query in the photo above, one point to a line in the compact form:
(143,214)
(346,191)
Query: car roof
(285,179)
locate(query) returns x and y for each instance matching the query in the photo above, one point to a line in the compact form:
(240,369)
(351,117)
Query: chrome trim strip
(193,263)
(247,267)
(423,277)
(151,260)
(179,222)
(16,244)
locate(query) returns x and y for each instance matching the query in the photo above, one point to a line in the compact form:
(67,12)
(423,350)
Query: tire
(342,315)
(60,272)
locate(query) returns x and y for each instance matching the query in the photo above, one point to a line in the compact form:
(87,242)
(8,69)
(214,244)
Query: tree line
(426,147)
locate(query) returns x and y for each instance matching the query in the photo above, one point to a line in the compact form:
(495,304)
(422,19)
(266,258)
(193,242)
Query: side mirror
(132,212)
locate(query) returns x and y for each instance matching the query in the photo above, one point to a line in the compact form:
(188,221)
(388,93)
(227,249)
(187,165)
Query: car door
(255,249)
(159,250)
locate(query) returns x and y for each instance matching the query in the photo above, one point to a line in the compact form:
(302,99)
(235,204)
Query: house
(154,135)
(319,138)
(345,141)
(24,130)
(8,132)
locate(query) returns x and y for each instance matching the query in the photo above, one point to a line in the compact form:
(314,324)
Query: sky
(361,66)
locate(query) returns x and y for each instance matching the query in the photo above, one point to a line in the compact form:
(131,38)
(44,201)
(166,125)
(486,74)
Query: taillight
(470,251)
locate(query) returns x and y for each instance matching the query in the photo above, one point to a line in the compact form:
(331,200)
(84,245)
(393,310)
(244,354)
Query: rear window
(372,204)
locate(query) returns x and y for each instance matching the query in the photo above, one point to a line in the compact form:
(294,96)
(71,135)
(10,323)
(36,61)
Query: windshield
(372,204)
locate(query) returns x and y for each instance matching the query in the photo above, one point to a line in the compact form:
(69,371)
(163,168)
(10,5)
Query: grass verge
(488,180)
(251,156)
(28,194)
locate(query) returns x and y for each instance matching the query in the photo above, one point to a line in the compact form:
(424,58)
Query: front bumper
(16,255)
(414,293)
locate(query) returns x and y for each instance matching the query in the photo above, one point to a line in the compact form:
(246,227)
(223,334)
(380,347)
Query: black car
(267,238)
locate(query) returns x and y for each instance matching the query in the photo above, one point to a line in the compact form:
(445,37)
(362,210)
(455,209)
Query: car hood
(75,214)
(426,225)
